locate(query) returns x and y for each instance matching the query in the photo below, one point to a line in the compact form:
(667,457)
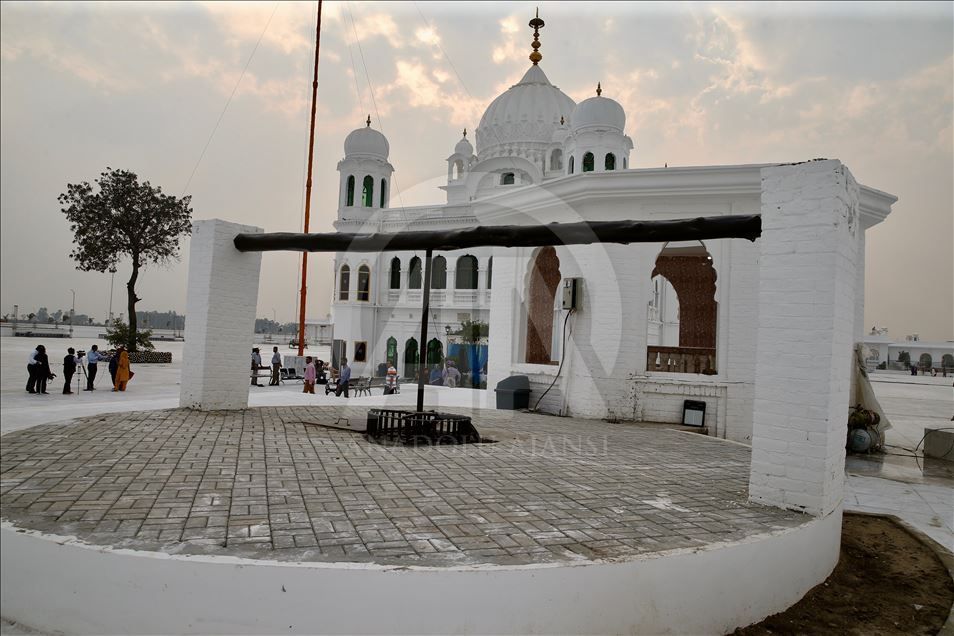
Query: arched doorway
(411,358)
(392,357)
(435,352)
(541,291)
(686,267)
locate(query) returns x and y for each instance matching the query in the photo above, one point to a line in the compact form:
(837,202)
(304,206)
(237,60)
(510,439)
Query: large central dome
(527,113)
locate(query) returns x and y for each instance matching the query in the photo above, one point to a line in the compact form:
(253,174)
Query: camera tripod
(82,377)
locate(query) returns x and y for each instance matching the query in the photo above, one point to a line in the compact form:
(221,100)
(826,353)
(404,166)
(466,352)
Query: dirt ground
(886,582)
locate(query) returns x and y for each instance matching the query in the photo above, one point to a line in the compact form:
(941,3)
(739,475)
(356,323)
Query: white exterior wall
(808,279)
(221,302)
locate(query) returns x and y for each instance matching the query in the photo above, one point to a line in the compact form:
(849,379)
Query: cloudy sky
(141,87)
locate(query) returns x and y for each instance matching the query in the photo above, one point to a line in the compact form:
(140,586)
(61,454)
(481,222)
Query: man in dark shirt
(69,368)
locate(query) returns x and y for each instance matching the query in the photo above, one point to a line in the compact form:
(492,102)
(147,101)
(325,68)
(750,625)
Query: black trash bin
(513,393)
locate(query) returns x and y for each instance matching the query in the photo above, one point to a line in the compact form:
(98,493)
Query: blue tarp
(470,358)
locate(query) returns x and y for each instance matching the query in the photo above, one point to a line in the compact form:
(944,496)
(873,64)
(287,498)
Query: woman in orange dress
(123,372)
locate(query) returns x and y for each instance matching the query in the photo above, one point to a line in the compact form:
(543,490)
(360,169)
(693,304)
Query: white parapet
(220,317)
(807,287)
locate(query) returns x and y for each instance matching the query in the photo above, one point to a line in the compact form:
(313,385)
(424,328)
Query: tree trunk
(132,299)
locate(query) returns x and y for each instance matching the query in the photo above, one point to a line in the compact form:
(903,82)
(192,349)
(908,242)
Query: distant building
(880,348)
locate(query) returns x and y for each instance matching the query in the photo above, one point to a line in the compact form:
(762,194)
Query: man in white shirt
(32,368)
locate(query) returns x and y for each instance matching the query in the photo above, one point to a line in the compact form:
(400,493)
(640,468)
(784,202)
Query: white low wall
(57,584)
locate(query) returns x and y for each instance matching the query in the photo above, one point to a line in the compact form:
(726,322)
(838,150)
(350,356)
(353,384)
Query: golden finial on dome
(465,133)
(599,89)
(537,24)
(562,122)
(369,121)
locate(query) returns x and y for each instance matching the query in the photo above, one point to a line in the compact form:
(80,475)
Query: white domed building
(655,324)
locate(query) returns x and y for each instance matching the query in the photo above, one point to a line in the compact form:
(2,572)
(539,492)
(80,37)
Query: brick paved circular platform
(268,483)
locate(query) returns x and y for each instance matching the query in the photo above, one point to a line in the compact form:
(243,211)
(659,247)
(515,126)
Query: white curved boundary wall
(59,585)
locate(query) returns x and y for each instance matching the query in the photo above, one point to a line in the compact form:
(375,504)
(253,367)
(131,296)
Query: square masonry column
(807,286)
(220,318)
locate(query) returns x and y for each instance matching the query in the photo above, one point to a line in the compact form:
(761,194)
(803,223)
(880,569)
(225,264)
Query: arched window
(466,273)
(624,163)
(570,165)
(411,358)
(556,160)
(588,162)
(925,361)
(344,282)
(395,273)
(458,169)
(439,273)
(349,200)
(384,189)
(435,351)
(490,272)
(507,178)
(610,162)
(541,294)
(392,351)
(947,361)
(414,274)
(367,192)
(683,336)
(364,283)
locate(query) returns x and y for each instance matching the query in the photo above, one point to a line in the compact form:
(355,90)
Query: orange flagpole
(311,157)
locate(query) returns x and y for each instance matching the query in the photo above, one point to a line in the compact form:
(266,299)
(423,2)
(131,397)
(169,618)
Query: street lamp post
(72,311)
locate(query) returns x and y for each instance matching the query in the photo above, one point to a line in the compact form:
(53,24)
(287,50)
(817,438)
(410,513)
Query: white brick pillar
(807,286)
(220,318)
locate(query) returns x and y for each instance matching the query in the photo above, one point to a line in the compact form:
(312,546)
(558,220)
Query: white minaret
(365,174)
(597,141)
(458,168)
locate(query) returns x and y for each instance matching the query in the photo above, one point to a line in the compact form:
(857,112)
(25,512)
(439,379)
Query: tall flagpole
(311,156)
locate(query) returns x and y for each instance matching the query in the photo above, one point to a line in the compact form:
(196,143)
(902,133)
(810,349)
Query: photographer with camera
(69,368)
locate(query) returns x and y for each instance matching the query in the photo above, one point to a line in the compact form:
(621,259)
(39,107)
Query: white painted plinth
(54,584)
(220,317)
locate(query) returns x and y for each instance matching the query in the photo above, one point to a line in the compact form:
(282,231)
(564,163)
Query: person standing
(276,367)
(43,372)
(343,379)
(92,359)
(32,369)
(123,372)
(310,376)
(451,374)
(256,366)
(69,368)
(391,379)
(113,366)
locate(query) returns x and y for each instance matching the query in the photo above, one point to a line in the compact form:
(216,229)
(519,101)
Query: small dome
(464,148)
(598,112)
(367,142)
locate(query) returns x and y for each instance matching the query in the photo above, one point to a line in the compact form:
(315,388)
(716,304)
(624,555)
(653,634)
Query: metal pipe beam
(585,233)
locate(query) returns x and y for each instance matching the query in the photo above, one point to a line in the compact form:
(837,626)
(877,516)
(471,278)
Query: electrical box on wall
(572,293)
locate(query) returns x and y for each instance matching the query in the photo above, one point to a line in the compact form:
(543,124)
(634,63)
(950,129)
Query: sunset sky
(141,87)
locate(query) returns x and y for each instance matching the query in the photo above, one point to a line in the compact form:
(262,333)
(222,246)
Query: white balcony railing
(465,296)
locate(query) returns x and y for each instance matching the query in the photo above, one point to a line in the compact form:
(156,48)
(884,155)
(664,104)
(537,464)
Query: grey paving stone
(259,483)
